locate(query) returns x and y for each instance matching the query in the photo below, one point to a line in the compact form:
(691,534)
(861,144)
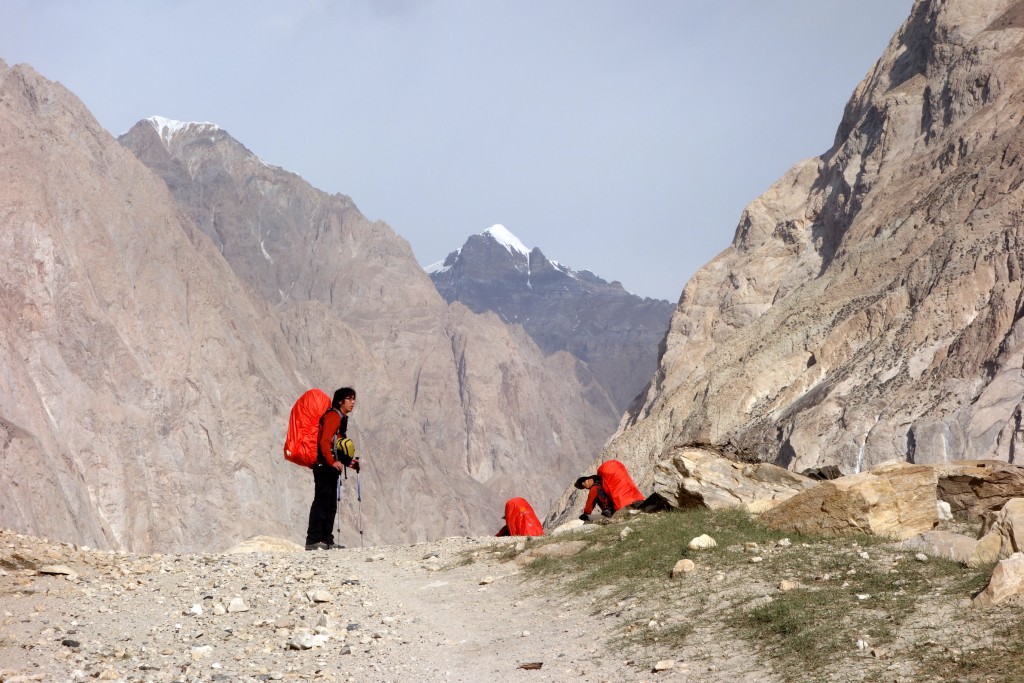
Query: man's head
(586,482)
(344,400)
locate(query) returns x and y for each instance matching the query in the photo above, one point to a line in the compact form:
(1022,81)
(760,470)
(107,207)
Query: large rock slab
(1006,584)
(952,546)
(699,478)
(975,487)
(895,500)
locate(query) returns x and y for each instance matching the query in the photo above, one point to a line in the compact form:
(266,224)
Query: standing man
(334,453)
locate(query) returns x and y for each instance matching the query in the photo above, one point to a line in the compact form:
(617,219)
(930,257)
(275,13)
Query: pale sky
(619,136)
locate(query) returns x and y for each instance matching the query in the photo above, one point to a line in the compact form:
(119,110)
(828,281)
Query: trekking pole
(337,508)
(359,497)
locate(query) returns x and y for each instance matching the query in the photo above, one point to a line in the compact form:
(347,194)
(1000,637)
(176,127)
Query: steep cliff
(869,306)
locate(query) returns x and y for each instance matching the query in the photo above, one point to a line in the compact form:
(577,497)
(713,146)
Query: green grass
(650,552)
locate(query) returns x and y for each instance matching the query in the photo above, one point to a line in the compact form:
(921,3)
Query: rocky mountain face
(614,332)
(157,332)
(870,305)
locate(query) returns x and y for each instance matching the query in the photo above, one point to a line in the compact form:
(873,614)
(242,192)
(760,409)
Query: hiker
(520,519)
(334,453)
(610,489)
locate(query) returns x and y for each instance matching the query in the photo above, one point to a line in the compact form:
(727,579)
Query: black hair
(579,482)
(342,394)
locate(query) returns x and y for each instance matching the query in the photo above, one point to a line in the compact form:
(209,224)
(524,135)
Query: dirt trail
(385,614)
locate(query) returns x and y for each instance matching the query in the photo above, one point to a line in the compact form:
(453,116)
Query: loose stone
(702,542)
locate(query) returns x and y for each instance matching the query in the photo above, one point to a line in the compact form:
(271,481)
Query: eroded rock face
(1006,525)
(974,488)
(152,350)
(697,478)
(894,500)
(868,307)
(458,403)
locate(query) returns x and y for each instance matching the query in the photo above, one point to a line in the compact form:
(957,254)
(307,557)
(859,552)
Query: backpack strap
(320,456)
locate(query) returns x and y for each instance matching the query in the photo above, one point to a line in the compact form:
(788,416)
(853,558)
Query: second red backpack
(304,427)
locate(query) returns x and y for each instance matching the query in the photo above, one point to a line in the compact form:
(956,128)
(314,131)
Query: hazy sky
(623,137)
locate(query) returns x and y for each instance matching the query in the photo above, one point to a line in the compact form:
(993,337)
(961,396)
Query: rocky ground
(457,609)
(398,613)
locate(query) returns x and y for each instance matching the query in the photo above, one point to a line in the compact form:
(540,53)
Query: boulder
(702,542)
(1006,525)
(974,487)
(683,566)
(895,500)
(571,525)
(698,478)
(1007,582)
(951,546)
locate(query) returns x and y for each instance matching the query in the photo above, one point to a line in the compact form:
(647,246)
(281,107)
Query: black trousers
(325,505)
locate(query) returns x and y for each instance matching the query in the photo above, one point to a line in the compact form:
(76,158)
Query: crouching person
(611,489)
(520,519)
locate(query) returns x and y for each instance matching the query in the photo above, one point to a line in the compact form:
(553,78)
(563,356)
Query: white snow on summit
(439,266)
(166,128)
(506,239)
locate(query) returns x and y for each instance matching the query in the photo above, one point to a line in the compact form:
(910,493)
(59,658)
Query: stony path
(400,613)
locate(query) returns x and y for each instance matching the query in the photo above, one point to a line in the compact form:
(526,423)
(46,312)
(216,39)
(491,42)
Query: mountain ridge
(614,332)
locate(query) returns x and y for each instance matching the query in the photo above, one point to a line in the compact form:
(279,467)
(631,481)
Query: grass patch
(646,635)
(849,588)
(994,658)
(650,552)
(848,597)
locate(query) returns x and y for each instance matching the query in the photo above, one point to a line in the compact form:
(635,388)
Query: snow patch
(565,269)
(168,128)
(439,266)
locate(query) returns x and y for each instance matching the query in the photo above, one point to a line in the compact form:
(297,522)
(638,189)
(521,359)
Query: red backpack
(618,484)
(304,427)
(521,519)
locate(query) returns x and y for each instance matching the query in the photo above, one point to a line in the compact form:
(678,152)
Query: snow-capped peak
(166,128)
(506,239)
(439,266)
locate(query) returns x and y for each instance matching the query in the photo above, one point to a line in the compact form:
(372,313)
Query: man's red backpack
(304,427)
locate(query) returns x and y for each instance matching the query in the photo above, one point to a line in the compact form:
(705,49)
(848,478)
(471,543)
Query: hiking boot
(316,546)
(333,546)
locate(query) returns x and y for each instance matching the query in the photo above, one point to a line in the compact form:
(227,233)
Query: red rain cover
(617,483)
(303,425)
